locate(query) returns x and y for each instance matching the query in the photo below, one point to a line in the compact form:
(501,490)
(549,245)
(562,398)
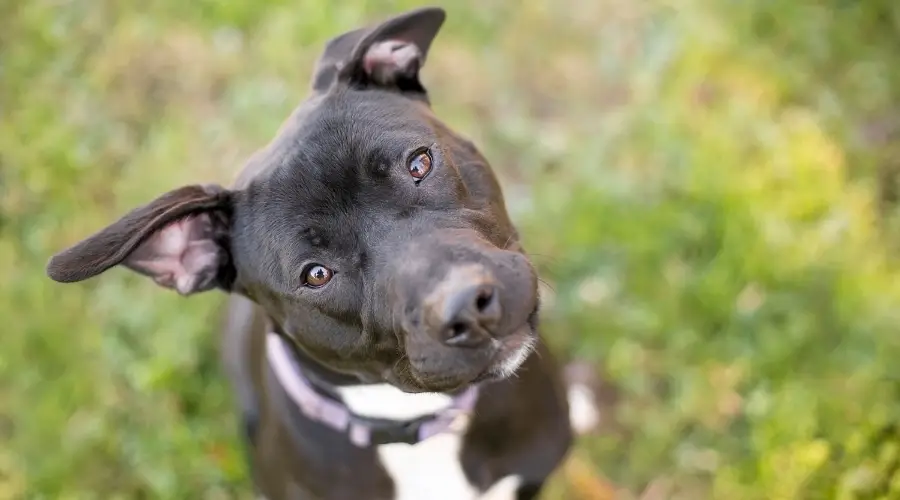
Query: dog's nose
(464,310)
(469,316)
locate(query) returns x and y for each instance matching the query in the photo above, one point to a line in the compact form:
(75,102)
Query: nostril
(464,316)
(461,334)
(458,329)
(483,299)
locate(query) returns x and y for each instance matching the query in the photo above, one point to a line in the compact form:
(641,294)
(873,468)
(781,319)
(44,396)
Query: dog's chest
(432,468)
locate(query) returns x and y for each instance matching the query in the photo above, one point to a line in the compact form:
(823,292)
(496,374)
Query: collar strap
(362,431)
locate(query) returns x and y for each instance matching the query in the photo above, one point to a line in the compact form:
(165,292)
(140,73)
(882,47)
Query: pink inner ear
(183,255)
(391,56)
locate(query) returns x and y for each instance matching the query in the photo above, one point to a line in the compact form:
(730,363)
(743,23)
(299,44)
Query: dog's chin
(510,353)
(415,385)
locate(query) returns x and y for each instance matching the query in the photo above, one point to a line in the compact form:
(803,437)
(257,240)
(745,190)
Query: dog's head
(369,232)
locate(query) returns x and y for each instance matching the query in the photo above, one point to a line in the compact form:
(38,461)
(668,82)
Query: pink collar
(362,431)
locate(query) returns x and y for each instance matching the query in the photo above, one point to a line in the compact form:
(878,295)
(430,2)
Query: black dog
(381,301)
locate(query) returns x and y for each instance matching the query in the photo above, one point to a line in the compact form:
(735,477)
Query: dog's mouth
(508,354)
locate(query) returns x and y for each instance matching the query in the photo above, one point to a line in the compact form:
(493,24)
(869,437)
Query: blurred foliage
(709,189)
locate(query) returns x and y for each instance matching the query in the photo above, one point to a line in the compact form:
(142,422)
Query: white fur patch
(386,401)
(504,489)
(584,415)
(430,469)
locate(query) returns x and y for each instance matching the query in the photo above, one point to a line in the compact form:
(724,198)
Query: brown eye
(317,276)
(420,165)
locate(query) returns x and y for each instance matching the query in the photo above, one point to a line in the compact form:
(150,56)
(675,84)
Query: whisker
(552,259)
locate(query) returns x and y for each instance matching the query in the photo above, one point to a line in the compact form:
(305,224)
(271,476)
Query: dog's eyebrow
(314,237)
(377,162)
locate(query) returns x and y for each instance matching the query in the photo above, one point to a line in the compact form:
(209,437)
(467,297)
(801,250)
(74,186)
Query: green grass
(708,188)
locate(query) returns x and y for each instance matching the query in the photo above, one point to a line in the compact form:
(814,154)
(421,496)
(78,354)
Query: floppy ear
(180,239)
(387,55)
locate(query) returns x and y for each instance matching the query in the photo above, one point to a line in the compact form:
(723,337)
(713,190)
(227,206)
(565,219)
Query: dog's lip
(419,386)
(518,344)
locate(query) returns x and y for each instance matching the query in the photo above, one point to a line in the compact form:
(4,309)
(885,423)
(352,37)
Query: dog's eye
(419,165)
(317,275)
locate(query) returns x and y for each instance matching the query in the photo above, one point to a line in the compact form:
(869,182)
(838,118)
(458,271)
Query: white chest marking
(386,401)
(427,470)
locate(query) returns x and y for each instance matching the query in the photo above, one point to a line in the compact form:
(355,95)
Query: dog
(381,333)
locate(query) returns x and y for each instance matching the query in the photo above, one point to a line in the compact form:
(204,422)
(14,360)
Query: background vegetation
(709,189)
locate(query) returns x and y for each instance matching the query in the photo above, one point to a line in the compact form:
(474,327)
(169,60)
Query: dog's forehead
(338,152)
(362,123)
(343,129)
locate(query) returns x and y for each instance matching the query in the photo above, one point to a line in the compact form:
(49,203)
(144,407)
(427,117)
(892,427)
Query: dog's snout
(463,309)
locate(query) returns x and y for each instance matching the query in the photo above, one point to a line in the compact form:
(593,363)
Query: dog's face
(368,231)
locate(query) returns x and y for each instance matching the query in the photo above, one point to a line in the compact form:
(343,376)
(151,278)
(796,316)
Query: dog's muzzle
(464,308)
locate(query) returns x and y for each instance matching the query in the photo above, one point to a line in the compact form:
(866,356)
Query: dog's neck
(324,379)
(368,413)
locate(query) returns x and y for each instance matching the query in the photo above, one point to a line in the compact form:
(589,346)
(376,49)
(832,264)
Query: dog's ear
(180,239)
(387,55)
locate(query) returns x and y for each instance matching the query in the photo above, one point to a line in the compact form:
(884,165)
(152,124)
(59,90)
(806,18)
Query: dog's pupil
(420,165)
(318,276)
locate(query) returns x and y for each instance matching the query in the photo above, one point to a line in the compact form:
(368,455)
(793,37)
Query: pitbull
(382,330)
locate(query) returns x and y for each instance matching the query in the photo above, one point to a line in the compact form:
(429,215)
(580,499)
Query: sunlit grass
(705,186)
